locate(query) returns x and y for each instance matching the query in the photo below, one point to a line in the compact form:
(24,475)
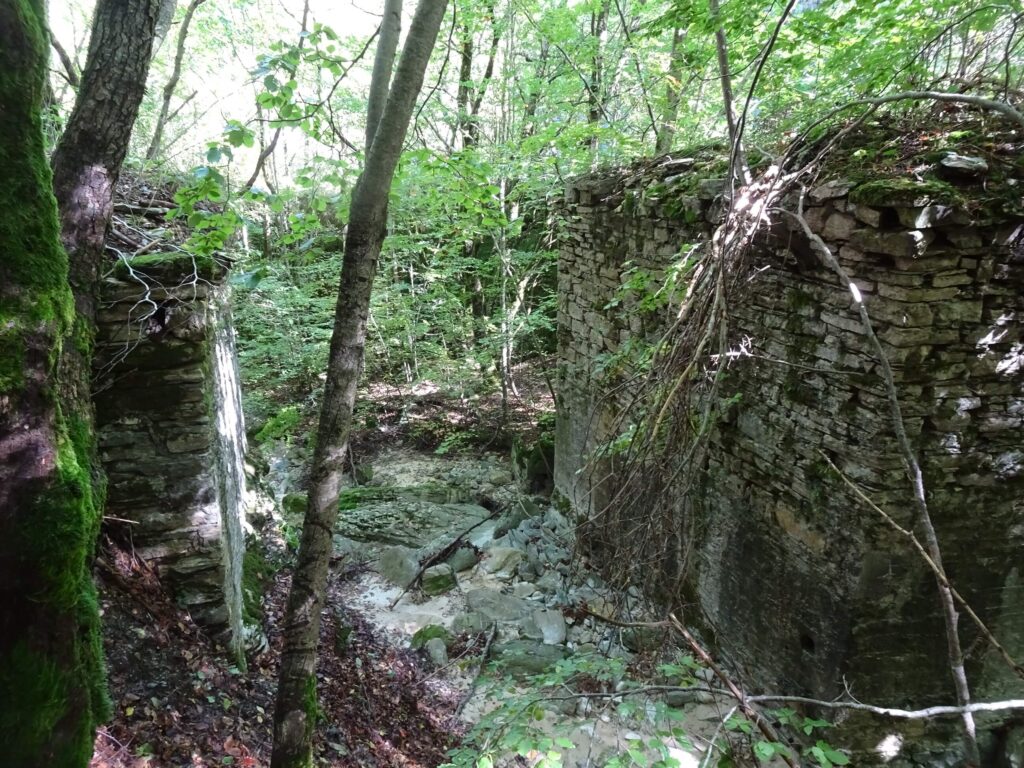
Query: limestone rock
(551,625)
(913,243)
(830,190)
(438,579)
(502,561)
(437,651)
(957,167)
(472,622)
(463,558)
(398,565)
(521,658)
(496,606)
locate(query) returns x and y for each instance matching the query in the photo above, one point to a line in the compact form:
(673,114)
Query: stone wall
(171,434)
(800,586)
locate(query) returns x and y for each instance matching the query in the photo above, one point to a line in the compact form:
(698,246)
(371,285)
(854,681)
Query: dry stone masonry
(801,587)
(171,433)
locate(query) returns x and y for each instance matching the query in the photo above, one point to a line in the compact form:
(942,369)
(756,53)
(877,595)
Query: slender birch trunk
(296,710)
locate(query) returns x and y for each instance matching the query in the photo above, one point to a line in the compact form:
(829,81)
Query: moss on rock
(901,191)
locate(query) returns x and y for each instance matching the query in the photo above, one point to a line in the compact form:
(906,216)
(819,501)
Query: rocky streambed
(455,550)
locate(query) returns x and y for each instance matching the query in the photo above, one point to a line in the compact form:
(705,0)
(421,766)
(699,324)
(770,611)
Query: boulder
(471,622)
(398,565)
(437,651)
(438,579)
(502,561)
(551,625)
(495,606)
(463,558)
(520,658)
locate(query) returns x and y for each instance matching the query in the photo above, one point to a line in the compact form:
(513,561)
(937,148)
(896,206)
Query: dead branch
(441,554)
(742,700)
(480,668)
(70,74)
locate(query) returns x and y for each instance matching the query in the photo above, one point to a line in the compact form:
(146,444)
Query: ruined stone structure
(801,587)
(171,434)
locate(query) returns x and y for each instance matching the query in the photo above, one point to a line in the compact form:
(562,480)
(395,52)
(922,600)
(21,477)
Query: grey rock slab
(527,657)
(502,561)
(549,582)
(463,558)
(838,226)
(954,166)
(472,622)
(830,190)
(496,606)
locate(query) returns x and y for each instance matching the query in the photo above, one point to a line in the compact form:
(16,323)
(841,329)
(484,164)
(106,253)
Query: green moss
(52,690)
(12,358)
(39,683)
(257,571)
(905,191)
(280,425)
(176,262)
(311,706)
(361,495)
(427,633)
(799,299)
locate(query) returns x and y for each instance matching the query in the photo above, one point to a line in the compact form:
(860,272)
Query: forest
(511,383)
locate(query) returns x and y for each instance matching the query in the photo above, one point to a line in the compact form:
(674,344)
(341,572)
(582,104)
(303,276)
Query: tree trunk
(595,107)
(667,130)
(52,691)
(296,708)
(88,158)
(383,64)
(172,81)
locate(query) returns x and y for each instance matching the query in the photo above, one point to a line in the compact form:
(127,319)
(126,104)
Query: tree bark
(296,708)
(86,166)
(52,691)
(383,64)
(172,81)
(667,129)
(595,110)
(88,158)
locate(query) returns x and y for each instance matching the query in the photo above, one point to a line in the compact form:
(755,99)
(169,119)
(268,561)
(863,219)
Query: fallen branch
(957,98)
(480,669)
(903,714)
(742,700)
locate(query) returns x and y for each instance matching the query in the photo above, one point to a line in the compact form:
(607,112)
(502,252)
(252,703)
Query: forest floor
(179,701)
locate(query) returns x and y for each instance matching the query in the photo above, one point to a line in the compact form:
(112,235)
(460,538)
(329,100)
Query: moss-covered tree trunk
(295,712)
(88,159)
(51,678)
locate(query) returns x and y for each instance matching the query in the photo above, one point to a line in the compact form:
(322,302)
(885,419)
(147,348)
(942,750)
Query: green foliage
(279,426)
(257,571)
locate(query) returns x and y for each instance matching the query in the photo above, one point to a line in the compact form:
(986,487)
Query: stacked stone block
(801,586)
(171,434)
